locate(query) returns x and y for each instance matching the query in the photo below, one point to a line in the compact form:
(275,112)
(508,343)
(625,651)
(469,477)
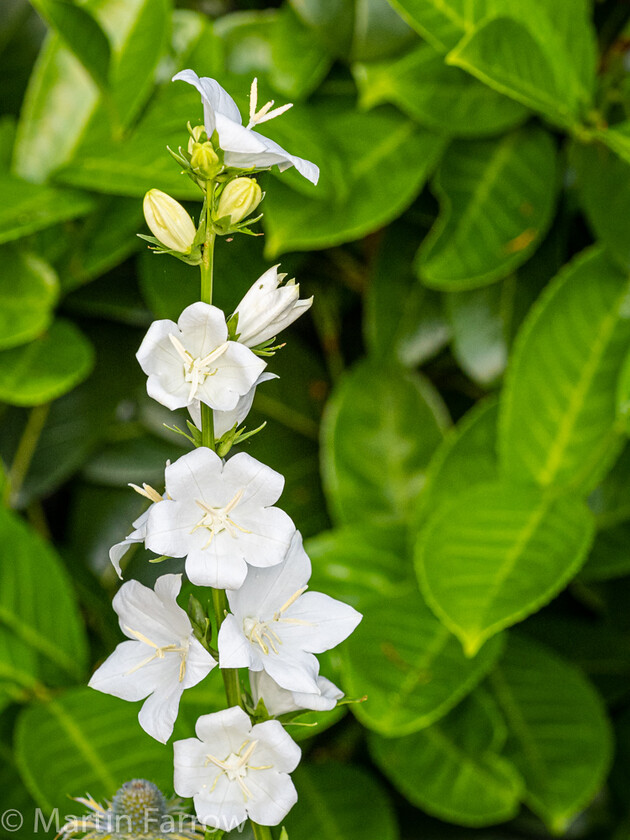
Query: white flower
(226,420)
(243,147)
(163,658)
(277,628)
(118,551)
(193,359)
(280,701)
(236,770)
(219,517)
(268,307)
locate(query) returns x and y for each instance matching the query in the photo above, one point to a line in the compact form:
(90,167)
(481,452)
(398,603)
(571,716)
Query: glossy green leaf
(361,563)
(497,199)
(559,736)
(63,105)
(467,456)
(603,181)
(409,666)
(47,367)
(28,292)
(498,553)
(452,769)
(30,611)
(558,409)
(403,320)
(369,145)
(438,96)
(81,34)
(28,208)
(373,460)
(358,30)
(84,740)
(339,800)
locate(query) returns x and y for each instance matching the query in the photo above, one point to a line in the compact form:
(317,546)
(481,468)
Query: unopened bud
(239,198)
(169,222)
(204,161)
(197,135)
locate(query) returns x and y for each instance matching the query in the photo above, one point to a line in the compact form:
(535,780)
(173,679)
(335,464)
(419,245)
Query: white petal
(261,485)
(273,796)
(270,533)
(194,409)
(140,609)
(293,669)
(199,663)
(259,291)
(120,676)
(203,328)
(280,701)
(224,808)
(234,647)
(275,746)
(266,590)
(218,98)
(323,702)
(159,712)
(118,551)
(191,770)
(224,730)
(169,528)
(327,622)
(216,565)
(193,474)
(236,371)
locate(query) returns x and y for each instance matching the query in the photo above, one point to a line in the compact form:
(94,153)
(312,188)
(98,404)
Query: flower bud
(197,135)
(204,160)
(239,198)
(169,222)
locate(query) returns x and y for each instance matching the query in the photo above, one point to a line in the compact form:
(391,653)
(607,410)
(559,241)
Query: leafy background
(452,421)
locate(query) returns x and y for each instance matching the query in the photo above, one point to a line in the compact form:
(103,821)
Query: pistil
(197,370)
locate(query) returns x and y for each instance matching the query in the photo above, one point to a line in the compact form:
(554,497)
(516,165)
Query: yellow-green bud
(239,198)
(204,161)
(197,135)
(169,222)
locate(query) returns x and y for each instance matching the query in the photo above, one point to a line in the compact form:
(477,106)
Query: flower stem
(207,268)
(219,600)
(261,832)
(24,453)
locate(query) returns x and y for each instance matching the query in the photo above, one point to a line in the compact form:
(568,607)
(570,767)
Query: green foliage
(467,247)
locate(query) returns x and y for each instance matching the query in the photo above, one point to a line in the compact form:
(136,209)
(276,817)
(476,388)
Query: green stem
(219,600)
(24,453)
(261,832)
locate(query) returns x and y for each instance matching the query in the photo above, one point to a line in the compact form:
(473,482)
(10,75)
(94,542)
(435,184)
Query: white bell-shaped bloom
(234,770)
(277,626)
(280,701)
(193,360)
(219,517)
(268,307)
(244,148)
(162,658)
(226,420)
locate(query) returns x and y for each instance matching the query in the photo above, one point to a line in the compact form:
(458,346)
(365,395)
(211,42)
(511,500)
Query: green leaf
(83,740)
(340,801)
(531,62)
(361,563)
(409,666)
(371,147)
(497,554)
(452,769)
(603,181)
(28,293)
(28,208)
(497,198)
(438,96)
(376,411)
(466,457)
(609,557)
(559,736)
(81,34)
(63,106)
(403,321)
(46,368)
(558,409)
(43,621)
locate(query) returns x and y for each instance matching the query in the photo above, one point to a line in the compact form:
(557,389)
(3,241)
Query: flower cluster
(219,513)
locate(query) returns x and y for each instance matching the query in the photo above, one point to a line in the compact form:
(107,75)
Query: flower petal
(275,746)
(120,675)
(191,770)
(325,622)
(224,808)
(295,670)
(270,533)
(199,663)
(203,328)
(236,371)
(234,647)
(261,485)
(193,475)
(159,712)
(216,565)
(273,796)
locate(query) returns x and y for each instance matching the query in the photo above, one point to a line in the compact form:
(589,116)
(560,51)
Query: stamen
(264,115)
(196,371)
(236,767)
(216,519)
(160,652)
(147,491)
(260,632)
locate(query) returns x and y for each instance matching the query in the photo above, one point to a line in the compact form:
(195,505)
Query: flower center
(160,652)
(236,766)
(218,519)
(262,633)
(197,370)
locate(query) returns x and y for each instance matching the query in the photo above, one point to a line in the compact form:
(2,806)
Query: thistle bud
(239,198)
(204,160)
(169,222)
